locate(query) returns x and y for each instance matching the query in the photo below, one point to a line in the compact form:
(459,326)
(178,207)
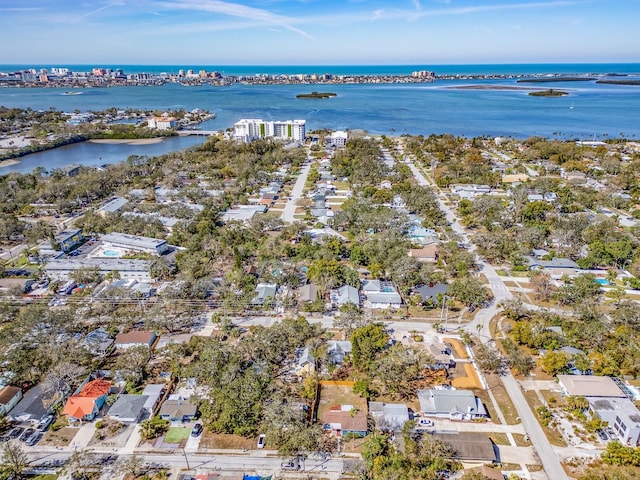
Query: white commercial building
(62,269)
(249,129)
(135,243)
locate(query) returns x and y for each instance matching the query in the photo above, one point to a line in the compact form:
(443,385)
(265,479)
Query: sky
(318,32)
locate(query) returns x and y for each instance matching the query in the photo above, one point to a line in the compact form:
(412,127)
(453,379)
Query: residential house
(98,341)
(154,393)
(390,416)
(555,267)
(427,254)
(337,350)
(136,338)
(32,406)
(305,363)
(442,358)
(9,398)
(243,213)
(344,295)
(308,293)
(452,404)
(178,410)
(470,192)
(381,295)
(87,402)
(421,236)
(336,139)
(265,293)
(345,419)
(128,408)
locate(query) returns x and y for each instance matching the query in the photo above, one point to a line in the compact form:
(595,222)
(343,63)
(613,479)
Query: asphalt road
(296,193)
(252,462)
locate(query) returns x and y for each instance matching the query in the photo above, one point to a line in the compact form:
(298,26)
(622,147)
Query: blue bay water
(589,111)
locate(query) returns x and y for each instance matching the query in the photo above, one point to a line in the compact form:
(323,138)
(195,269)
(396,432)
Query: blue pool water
(602,281)
(110,253)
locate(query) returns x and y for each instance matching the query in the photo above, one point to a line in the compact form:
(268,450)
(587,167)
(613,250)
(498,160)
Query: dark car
(16,432)
(197,430)
(24,436)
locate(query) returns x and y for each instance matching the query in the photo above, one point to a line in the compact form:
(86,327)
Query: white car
(261,440)
(425,422)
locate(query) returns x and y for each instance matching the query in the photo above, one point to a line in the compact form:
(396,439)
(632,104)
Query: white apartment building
(248,129)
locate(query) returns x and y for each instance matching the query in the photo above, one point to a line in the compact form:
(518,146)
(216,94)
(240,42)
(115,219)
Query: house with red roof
(86,403)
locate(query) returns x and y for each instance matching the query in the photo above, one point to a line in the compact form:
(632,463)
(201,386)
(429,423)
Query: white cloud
(237,10)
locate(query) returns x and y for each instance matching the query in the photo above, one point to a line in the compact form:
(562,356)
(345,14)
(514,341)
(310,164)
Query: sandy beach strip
(129,141)
(8,163)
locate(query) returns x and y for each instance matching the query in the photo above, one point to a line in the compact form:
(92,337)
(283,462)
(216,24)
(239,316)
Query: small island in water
(548,93)
(316,95)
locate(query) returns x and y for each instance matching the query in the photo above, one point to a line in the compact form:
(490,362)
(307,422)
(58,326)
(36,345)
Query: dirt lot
(223,440)
(60,438)
(466,377)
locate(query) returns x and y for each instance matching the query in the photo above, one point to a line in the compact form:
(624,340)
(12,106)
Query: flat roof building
(63,268)
(249,129)
(136,243)
(112,206)
(589,386)
(69,239)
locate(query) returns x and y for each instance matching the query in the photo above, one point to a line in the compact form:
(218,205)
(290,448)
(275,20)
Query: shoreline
(9,162)
(129,141)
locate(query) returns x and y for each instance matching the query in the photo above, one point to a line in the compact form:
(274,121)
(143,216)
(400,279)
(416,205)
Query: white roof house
(389,415)
(453,404)
(380,294)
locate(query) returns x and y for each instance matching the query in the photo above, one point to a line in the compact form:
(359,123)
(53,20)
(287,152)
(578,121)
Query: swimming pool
(602,281)
(111,253)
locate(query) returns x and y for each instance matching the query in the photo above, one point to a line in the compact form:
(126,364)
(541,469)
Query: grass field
(177,434)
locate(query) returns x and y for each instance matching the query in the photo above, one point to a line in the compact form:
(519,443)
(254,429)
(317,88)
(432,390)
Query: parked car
(45,423)
(290,465)
(261,440)
(197,430)
(34,439)
(425,422)
(16,432)
(24,436)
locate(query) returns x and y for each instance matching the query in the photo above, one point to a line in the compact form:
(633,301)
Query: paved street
(296,193)
(263,462)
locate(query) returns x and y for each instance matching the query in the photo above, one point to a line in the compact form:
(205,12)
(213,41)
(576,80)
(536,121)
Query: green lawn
(176,434)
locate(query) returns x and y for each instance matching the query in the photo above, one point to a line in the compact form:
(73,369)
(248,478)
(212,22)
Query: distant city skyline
(318,32)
